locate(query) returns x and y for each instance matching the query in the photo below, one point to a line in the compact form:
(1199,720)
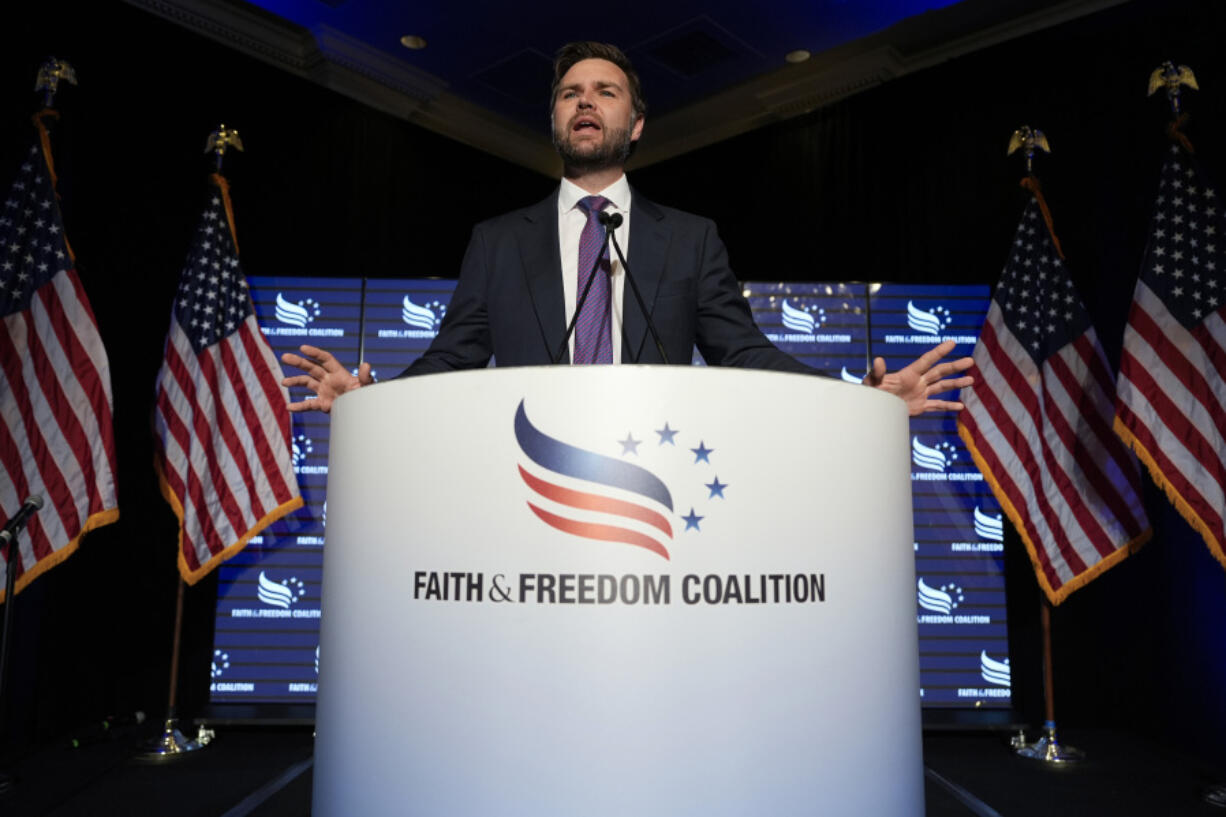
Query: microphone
(570,328)
(612,221)
(18,521)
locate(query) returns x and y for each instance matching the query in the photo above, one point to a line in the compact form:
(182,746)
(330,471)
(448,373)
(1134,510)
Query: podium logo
(612,501)
(928,323)
(944,599)
(427,318)
(297,314)
(803,320)
(937,458)
(989,528)
(993,671)
(281,594)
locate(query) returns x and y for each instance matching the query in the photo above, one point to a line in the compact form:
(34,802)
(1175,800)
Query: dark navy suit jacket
(508,302)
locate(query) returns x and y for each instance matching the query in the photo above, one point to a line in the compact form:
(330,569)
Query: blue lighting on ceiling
(745,39)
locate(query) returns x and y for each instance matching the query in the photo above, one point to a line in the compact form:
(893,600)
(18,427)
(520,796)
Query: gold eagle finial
(220,140)
(1028,139)
(49,75)
(1172,78)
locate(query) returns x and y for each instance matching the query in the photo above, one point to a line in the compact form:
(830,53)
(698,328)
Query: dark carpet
(266,772)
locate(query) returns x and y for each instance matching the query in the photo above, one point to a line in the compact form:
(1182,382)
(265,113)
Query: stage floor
(266,772)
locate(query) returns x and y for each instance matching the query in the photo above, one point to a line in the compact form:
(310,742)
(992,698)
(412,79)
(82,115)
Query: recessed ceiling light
(799,55)
(413,41)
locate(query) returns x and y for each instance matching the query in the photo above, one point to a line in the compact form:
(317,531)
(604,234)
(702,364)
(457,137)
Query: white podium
(618,590)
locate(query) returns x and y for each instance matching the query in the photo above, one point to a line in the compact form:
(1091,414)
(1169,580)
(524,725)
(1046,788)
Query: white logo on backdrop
(297,314)
(991,528)
(221,663)
(302,446)
(848,377)
(316,659)
(426,318)
(993,671)
(936,458)
(281,594)
(944,599)
(803,320)
(928,323)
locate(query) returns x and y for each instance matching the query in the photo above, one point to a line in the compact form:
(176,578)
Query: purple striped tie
(593,331)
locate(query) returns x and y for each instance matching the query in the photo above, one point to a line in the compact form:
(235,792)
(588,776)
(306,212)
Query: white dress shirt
(571,221)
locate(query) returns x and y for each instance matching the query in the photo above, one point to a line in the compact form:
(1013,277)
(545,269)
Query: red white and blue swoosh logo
(604,498)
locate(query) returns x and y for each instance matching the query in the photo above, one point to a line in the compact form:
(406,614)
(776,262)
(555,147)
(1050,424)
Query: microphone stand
(570,328)
(615,221)
(8,536)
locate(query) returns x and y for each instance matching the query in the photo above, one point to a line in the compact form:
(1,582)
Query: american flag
(55,383)
(1171,404)
(1038,420)
(221,418)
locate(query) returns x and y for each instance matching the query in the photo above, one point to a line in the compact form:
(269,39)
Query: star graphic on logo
(692,521)
(666,435)
(701,453)
(629,445)
(717,488)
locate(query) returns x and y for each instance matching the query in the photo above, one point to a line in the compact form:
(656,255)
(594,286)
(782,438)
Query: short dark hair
(572,53)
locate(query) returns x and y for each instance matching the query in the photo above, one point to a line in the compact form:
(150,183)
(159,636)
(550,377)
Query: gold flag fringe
(192,576)
(1181,504)
(96,520)
(1077,582)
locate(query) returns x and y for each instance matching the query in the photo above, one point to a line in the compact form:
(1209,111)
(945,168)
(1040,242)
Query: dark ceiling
(499,54)
(710,68)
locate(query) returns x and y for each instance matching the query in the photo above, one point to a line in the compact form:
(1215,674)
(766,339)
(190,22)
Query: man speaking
(525,272)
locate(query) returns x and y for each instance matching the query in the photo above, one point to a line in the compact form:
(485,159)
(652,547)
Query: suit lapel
(542,267)
(649,239)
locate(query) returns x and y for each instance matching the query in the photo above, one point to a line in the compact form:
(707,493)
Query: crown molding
(250,31)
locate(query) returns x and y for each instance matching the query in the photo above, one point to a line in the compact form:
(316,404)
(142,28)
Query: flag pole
(172,742)
(1048,748)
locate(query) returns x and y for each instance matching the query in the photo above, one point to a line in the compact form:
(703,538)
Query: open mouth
(585,124)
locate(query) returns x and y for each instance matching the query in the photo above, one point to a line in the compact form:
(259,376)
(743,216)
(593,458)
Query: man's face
(593,116)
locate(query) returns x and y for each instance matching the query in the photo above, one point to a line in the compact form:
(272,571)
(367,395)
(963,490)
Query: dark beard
(614,150)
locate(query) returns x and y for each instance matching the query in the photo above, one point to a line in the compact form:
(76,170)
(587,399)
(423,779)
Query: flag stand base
(174,743)
(1048,749)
